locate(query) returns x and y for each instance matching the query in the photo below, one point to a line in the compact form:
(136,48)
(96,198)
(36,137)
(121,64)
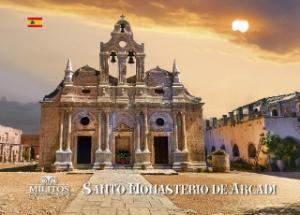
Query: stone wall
(30,144)
(283,126)
(242,134)
(49,135)
(249,131)
(10,147)
(195,136)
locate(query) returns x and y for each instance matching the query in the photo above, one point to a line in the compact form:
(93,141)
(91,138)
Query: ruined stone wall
(49,135)
(194,132)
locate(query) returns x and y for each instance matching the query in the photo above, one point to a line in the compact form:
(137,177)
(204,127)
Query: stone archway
(123,145)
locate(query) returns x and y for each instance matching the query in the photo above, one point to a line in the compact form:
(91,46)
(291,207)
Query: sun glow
(240,25)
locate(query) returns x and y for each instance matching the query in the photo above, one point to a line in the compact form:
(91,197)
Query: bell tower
(123,50)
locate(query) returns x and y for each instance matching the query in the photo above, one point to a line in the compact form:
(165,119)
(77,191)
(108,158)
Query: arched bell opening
(113,64)
(131,63)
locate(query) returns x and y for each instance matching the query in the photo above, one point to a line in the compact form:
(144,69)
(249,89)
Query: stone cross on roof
(122,17)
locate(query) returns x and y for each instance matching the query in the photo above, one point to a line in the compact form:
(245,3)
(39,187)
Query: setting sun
(240,25)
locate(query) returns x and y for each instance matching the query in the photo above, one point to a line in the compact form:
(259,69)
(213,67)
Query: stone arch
(251,150)
(274,112)
(213,148)
(81,114)
(223,147)
(235,151)
(166,126)
(123,119)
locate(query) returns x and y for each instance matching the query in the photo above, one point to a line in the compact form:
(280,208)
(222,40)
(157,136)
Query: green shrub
(287,149)
(219,152)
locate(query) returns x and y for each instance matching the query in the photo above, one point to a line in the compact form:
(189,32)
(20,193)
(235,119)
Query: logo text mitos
(49,187)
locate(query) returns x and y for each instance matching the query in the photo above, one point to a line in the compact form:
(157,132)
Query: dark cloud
(19,115)
(275,24)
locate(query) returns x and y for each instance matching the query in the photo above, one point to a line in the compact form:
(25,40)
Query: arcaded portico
(95,120)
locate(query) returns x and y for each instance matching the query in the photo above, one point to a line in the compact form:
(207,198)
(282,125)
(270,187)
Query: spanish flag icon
(34,22)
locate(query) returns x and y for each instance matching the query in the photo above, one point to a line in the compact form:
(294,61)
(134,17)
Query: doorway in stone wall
(84,148)
(161,150)
(122,150)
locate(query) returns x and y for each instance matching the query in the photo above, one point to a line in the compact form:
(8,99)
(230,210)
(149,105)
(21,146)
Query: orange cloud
(274,25)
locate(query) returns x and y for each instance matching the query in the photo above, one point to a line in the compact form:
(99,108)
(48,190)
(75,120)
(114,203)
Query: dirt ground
(14,189)
(286,201)
(15,165)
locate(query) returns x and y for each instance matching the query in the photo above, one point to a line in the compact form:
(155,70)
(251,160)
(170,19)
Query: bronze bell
(131,55)
(113,57)
(131,60)
(122,26)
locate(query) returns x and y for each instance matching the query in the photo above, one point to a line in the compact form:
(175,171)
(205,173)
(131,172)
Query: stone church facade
(95,120)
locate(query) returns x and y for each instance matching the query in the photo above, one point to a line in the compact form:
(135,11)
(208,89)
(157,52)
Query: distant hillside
(22,116)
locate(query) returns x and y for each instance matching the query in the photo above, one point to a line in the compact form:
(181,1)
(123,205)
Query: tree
(287,149)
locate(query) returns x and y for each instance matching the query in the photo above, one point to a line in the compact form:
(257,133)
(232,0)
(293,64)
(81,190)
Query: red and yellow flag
(34,22)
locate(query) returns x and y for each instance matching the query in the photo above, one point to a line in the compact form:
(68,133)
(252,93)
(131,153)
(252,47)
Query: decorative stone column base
(103,160)
(138,159)
(146,163)
(63,160)
(142,160)
(180,161)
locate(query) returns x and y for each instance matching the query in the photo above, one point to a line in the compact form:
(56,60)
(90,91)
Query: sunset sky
(224,67)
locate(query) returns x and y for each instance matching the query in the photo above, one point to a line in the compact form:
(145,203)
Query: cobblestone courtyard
(14,194)
(122,204)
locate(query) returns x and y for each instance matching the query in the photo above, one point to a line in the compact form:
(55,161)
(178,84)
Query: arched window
(274,112)
(213,149)
(235,151)
(223,147)
(251,151)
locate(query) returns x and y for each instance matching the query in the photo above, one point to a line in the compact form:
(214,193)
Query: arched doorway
(274,112)
(213,148)
(235,151)
(123,150)
(251,151)
(161,150)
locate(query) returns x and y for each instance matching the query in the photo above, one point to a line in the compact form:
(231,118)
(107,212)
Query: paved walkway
(121,204)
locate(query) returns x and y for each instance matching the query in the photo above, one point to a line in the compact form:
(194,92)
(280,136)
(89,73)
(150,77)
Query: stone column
(138,135)
(21,153)
(2,152)
(10,159)
(1,146)
(175,123)
(67,154)
(122,67)
(99,132)
(107,149)
(146,148)
(29,153)
(61,128)
(104,68)
(140,67)
(69,131)
(184,133)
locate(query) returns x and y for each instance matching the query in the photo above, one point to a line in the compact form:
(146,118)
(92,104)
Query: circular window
(84,120)
(122,44)
(160,121)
